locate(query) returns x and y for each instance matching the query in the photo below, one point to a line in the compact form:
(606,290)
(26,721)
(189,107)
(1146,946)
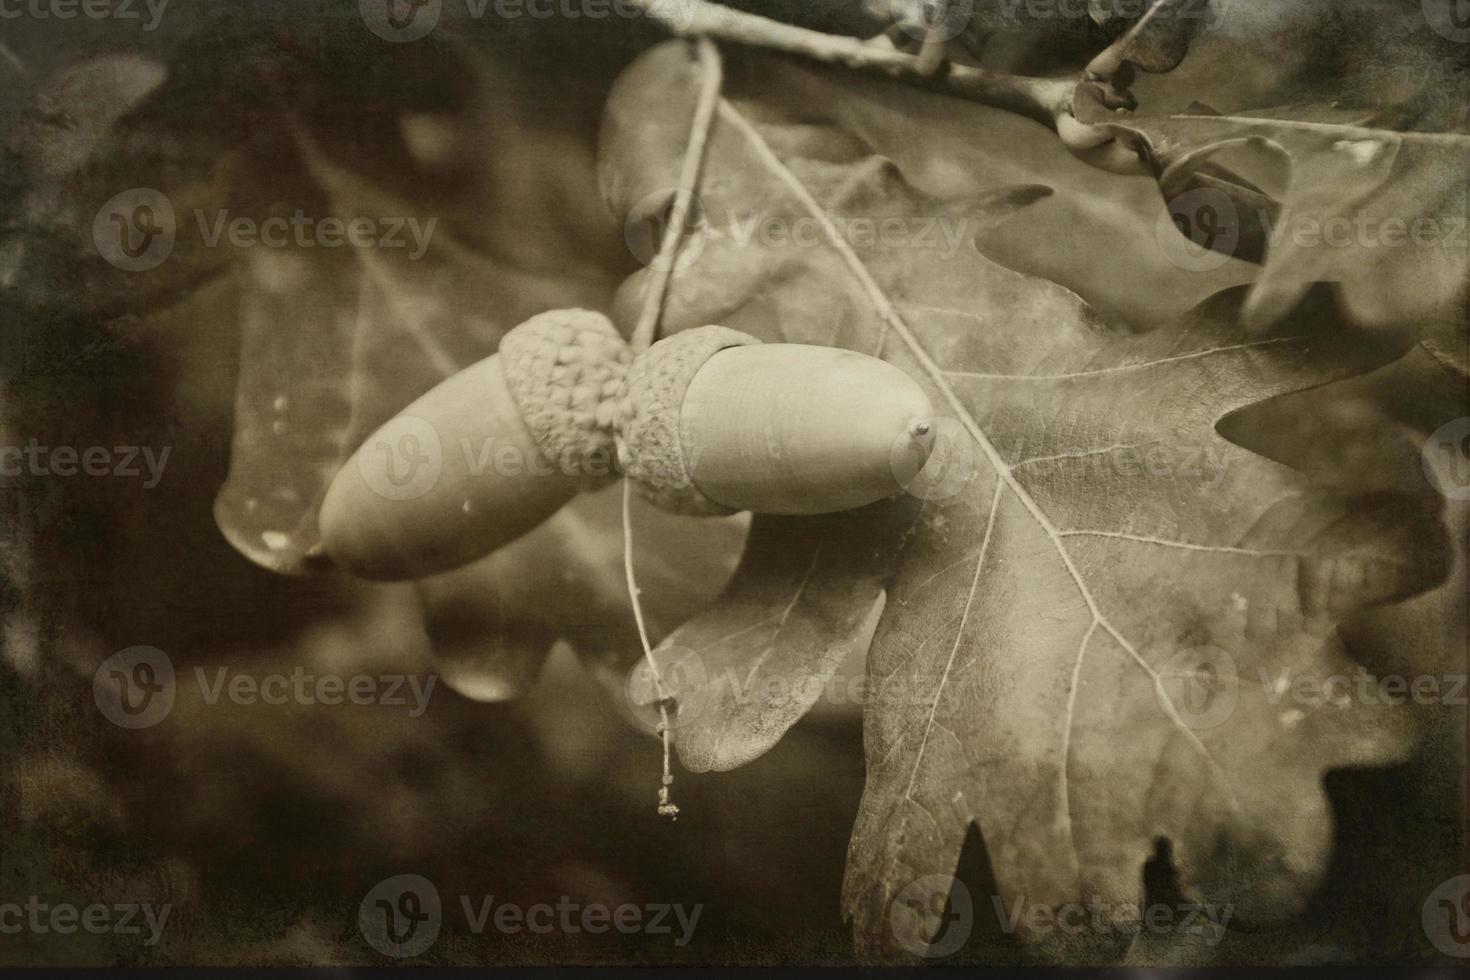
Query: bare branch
(1043,99)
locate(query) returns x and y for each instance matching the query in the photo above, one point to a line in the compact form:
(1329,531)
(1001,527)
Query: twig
(1042,99)
(711,79)
(666,805)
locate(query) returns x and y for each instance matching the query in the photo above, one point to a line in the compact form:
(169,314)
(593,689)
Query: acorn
(708,422)
(713,421)
(484,457)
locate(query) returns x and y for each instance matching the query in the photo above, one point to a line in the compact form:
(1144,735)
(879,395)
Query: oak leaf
(1057,603)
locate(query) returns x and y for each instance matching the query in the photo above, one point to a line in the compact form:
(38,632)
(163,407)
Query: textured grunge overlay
(974,483)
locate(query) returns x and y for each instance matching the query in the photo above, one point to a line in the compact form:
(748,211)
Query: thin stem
(1043,99)
(666,805)
(712,79)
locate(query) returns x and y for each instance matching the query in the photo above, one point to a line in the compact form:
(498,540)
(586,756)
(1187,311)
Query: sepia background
(264,826)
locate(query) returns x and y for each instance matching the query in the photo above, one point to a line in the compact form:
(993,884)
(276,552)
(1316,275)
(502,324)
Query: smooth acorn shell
(492,485)
(796,429)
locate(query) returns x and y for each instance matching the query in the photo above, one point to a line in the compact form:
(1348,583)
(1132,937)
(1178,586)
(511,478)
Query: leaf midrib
(892,320)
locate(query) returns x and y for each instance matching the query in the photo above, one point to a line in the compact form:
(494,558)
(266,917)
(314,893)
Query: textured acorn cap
(650,449)
(565,369)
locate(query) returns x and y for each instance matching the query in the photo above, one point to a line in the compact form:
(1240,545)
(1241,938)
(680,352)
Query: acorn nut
(515,437)
(713,421)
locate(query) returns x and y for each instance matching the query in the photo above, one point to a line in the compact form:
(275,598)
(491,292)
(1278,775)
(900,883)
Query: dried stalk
(1042,99)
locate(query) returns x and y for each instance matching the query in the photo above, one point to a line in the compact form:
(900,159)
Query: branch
(712,77)
(1042,99)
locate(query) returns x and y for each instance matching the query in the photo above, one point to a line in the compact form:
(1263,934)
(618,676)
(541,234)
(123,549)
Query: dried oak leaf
(1338,154)
(475,231)
(334,342)
(492,623)
(96,144)
(1380,214)
(337,340)
(1053,607)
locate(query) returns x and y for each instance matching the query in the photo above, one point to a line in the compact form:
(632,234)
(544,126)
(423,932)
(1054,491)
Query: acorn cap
(565,369)
(650,448)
